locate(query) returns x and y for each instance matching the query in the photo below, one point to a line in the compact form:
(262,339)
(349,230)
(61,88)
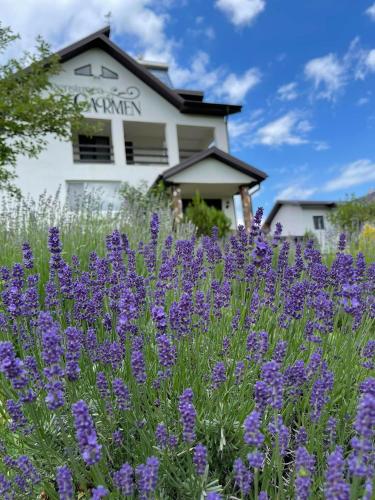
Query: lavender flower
(363,443)
(99,492)
(238,372)
(305,466)
(274,380)
(147,477)
(218,375)
(200,459)
(138,364)
(28,259)
(64,483)
(161,435)
(167,351)
(11,366)
(122,394)
(85,433)
(335,487)
(187,415)
(213,495)
(242,476)
(124,480)
(73,349)
(252,435)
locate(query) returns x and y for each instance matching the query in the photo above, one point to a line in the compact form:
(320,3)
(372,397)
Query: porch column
(176,204)
(172,144)
(246,206)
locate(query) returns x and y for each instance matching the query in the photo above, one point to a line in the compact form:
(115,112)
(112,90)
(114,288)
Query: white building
(301,217)
(148,131)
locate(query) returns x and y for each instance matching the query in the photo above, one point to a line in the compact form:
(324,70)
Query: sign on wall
(113,101)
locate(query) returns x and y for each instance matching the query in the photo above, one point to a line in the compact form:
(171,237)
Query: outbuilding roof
(185,101)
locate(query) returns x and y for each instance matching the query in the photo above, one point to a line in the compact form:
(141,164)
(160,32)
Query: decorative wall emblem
(113,101)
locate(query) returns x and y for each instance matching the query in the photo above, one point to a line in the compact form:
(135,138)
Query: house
(299,217)
(147,130)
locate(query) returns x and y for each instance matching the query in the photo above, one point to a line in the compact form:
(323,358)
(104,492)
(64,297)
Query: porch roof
(250,175)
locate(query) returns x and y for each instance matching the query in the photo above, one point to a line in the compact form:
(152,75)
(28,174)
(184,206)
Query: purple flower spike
(252,435)
(124,480)
(64,483)
(11,366)
(187,415)
(147,477)
(99,492)
(218,375)
(166,350)
(161,435)
(85,433)
(138,364)
(336,487)
(242,476)
(200,459)
(305,466)
(122,394)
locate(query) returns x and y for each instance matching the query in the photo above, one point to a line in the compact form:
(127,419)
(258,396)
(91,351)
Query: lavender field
(140,363)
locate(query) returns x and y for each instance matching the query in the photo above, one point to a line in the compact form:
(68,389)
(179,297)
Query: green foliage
(145,197)
(205,217)
(31,107)
(352,214)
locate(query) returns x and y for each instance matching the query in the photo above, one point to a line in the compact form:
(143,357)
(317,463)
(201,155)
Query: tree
(352,214)
(31,106)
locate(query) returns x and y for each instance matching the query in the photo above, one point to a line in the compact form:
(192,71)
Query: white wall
(55,166)
(297,220)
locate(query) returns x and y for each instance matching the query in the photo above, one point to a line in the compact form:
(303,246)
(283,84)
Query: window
(318,221)
(104,194)
(83,70)
(107,73)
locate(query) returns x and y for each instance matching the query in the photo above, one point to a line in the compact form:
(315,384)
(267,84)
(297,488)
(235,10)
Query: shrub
(205,217)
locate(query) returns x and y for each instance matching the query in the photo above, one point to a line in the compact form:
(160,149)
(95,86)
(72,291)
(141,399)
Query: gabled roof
(299,203)
(183,101)
(219,155)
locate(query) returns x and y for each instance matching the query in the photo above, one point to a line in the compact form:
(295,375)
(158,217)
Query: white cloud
(294,192)
(198,75)
(362,101)
(235,87)
(238,128)
(289,129)
(353,174)
(370,60)
(241,12)
(371,11)
(328,74)
(321,146)
(287,92)
(64,21)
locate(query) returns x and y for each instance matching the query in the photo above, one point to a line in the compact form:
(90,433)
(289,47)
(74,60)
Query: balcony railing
(146,155)
(187,153)
(93,153)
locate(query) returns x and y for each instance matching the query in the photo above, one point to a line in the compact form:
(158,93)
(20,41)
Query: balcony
(145,143)
(94,146)
(145,155)
(92,153)
(193,139)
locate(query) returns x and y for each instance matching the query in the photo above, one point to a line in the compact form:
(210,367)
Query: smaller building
(301,217)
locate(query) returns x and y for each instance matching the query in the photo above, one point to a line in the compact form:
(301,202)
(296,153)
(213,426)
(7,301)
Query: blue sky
(303,70)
